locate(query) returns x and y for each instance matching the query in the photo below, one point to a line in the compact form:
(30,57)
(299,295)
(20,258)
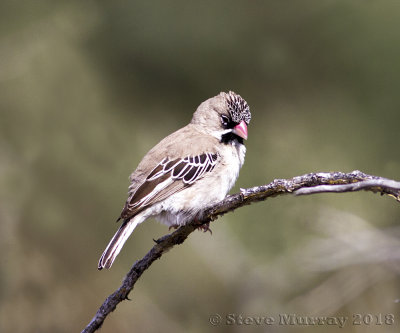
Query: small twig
(376,185)
(307,184)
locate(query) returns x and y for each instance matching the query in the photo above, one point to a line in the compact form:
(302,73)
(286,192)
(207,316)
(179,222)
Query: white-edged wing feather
(168,177)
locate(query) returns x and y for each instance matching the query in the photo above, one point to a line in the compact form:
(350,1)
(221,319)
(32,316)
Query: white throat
(219,134)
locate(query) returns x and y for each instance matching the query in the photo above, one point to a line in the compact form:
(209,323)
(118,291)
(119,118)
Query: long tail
(117,242)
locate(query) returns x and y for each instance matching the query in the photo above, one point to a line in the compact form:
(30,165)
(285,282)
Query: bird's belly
(185,205)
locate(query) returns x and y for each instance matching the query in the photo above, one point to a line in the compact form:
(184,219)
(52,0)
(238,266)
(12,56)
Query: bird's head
(225,116)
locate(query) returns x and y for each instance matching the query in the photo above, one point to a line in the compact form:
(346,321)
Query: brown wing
(167,178)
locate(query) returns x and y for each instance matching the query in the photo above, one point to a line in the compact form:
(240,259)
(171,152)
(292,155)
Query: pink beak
(241,130)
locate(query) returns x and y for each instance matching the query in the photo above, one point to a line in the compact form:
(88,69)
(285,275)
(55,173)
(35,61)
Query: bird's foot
(175,226)
(205,227)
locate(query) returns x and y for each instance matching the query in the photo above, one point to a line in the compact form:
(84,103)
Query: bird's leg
(201,226)
(205,227)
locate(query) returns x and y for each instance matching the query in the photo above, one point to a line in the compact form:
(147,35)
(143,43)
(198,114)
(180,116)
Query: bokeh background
(88,87)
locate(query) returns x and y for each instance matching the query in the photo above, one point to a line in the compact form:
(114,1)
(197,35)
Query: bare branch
(307,184)
(377,184)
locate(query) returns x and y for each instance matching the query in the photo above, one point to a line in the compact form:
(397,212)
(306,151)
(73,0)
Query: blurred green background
(88,87)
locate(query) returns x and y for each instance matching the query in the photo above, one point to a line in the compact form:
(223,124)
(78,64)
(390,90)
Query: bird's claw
(205,227)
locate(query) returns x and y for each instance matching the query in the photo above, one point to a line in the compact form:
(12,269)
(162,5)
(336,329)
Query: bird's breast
(183,206)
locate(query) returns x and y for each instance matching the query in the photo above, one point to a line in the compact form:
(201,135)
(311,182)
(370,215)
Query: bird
(187,171)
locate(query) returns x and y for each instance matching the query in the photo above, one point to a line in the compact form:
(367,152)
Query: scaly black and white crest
(238,108)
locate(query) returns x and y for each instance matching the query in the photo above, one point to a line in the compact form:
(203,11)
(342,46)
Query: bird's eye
(224,121)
